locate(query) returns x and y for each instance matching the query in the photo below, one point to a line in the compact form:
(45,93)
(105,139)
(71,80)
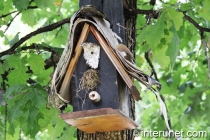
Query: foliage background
(172,39)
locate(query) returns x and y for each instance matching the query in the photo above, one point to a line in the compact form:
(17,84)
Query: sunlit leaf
(159,56)
(25,17)
(205,10)
(14,40)
(176,17)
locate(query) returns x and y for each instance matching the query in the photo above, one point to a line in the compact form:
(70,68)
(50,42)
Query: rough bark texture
(130,25)
(129,32)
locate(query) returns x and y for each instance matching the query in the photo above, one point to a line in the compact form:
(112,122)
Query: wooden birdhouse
(93,75)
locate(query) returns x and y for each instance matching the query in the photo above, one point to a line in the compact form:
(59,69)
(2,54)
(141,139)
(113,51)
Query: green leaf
(69,133)
(173,47)
(54,130)
(44,77)
(14,40)
(160,57)
(38,38)
(21,4)
(176,17)
(205,10)
(30,117)
(14,61)
(24,107)
(36,63)
(18,76)
(7,6)
(186,6)
(15,108)
(38,96)
(1,33)
(14,90)
(1,5)
(25,17)
(141,21)
(43,3)
(49,116)
(152,34)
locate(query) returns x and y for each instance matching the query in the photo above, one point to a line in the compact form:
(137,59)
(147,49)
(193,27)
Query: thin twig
(31,2)
(58,32)
(146,55)
(38,31)
(155,14)
(35,46)
(3,16)
(8,25)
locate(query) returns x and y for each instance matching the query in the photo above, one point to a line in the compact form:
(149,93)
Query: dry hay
(90,79)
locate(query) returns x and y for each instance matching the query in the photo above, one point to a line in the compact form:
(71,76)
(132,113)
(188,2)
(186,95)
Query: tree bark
(127,30)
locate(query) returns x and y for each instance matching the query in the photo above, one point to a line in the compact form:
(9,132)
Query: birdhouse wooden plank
(65,87)
(99,120)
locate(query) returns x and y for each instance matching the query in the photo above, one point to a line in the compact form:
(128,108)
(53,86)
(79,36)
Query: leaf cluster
(176,52)
(169,42)
(26,66)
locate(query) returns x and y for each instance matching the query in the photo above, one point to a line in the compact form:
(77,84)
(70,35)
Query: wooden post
(114,94)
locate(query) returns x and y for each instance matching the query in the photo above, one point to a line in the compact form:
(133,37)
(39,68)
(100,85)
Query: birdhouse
(93,75)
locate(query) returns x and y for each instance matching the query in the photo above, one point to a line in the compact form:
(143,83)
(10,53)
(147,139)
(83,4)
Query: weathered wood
(130,39)
(99,120)
(65,87)
(116,63)
(108,88)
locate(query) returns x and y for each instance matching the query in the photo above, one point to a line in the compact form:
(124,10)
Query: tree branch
(155,14)
(37,46)
(38,31)
(8,25)
(196,24)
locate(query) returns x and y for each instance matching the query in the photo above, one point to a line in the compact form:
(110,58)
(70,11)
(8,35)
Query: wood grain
(135,93)
(65,87)
(99,120)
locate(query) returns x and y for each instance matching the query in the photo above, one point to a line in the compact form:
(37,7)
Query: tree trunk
(126,30)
